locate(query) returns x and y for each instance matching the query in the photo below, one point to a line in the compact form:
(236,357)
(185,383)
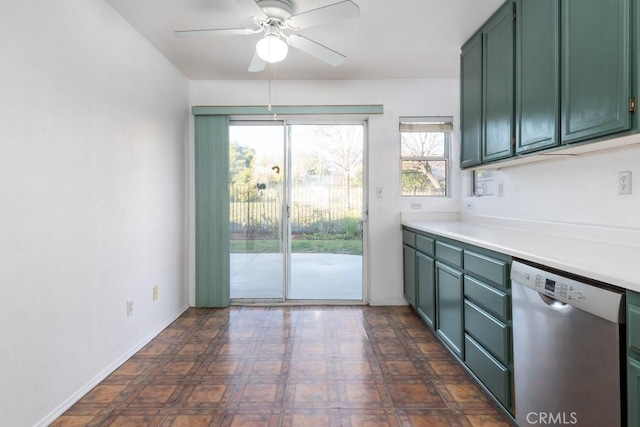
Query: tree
(241,163)
(343,147)
(421,145)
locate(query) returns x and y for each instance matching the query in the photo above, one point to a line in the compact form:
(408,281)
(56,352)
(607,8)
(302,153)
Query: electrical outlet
(129,308)
(624,182)
(379,193)
(416,205)
(155,292)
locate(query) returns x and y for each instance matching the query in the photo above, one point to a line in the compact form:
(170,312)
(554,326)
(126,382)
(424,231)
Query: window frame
(428,124)
(488,189)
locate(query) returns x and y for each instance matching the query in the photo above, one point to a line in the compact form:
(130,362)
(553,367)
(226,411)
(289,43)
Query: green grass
(349,247)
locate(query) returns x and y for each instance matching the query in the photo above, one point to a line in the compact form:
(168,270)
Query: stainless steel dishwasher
(568,337)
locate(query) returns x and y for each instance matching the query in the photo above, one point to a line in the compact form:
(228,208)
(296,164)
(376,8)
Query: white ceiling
(391,39)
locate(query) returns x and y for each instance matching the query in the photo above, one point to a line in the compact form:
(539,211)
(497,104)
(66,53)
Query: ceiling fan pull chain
(269,100)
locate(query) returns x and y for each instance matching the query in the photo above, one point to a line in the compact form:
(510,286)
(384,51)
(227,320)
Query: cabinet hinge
(632,104)
(514,16)
(513,141)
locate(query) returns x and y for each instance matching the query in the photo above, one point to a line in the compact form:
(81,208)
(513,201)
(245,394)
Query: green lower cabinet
(426,303)
(493,374)
(409,259)
(462,292)
(633,392)
(633,359)
(494,334)
(449,309)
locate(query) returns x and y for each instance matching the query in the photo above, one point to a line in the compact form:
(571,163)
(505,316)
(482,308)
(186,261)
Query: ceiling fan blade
(324,15)
(216,32)
(316,49)
(253,9)
(257,64)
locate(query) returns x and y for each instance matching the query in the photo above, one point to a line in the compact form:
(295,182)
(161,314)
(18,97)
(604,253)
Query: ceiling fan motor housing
(279,10)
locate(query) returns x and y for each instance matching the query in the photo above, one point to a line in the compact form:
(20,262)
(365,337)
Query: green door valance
(231,110)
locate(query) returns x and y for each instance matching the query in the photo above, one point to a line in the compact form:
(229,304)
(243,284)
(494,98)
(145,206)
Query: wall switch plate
(155,292)
(624,182)
(379,193)
(129,308)
(416,205)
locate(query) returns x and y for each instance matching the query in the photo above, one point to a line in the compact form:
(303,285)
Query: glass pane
(256,195)
(326,208)
(422,144)
(483,182)
(424,178)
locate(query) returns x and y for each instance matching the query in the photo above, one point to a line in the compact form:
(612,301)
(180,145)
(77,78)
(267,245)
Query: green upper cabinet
(471,101)
(498,92)
(596,85)
(537,74)
(562,72)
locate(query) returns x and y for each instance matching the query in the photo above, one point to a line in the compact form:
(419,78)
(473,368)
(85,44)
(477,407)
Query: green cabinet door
(498,75)
(409,258)
(426,304)
(633,359)
(537,74)
(633,393)
(471,101)
(449,305)
(595,68)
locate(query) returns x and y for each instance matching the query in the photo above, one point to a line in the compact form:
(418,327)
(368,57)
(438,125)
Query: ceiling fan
(273,17)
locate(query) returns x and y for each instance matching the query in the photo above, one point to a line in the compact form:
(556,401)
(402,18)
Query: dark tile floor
(289,366)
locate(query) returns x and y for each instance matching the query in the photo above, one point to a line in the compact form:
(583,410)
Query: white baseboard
(390,302)
(53,415)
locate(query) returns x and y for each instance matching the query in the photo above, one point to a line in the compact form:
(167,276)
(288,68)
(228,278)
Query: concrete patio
(313,276)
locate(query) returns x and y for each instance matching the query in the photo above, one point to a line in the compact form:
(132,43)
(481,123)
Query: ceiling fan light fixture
(272,48)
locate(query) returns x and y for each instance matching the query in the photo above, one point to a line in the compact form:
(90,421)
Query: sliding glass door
(326,205)
(256,193)
(297,201)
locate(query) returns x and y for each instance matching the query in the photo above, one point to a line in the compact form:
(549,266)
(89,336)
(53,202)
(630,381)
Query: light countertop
(612,263)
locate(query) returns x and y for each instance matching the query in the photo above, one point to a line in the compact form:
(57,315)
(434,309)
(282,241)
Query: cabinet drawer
(489,331)
(451,254)
(494,300)
(489,268)
(409,238)
(424,244)
(495,376)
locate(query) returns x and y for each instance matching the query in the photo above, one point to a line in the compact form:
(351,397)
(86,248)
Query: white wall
(93,129)
(581,189)
(400,98)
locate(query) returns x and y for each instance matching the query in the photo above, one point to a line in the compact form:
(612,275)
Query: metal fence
(315,209)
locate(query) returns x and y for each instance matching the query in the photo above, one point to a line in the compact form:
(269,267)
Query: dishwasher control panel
(558,290)
(585,296)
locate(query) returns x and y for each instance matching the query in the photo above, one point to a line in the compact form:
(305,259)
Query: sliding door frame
(221,286)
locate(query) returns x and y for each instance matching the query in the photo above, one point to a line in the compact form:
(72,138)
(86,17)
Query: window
(424,155)
(482,182)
